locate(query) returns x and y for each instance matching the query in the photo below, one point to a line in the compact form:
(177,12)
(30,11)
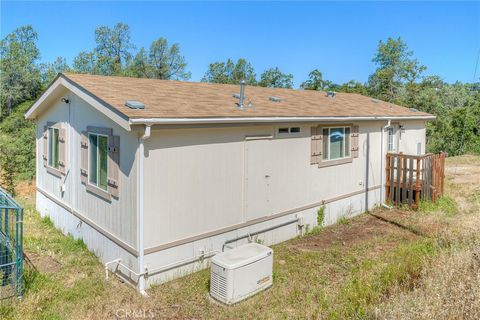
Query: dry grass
(450,284)
(367,268)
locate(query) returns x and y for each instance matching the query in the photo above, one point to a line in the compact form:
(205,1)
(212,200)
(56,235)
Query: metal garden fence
(11,246)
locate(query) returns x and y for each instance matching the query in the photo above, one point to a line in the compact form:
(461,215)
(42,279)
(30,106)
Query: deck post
(387,178)
(417,183)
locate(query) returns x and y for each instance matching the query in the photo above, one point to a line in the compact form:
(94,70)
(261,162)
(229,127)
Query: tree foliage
(86,62)
(51,70)
(457,107)
(112,53)
(161,61)
(19,73)
(353,86)
(274,78)
(316,82)
(230,72)
(17,147)
(396,67)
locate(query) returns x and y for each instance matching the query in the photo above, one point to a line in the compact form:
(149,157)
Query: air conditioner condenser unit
(241,272)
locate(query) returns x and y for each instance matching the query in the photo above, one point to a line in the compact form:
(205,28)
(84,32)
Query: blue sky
(339,38)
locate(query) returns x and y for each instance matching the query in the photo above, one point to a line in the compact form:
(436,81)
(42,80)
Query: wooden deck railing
(410,178)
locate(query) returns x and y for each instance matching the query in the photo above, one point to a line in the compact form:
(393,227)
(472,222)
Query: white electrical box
(241,272)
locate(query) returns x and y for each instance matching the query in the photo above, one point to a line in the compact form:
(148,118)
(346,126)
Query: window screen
(53,147)
(98,159)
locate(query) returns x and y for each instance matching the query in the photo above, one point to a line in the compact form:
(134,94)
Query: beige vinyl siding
(413,134)
(117,216)
(204,179)
(45,178)
(201,180)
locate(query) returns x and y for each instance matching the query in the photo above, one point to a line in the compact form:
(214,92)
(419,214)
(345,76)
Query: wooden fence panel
(392,170)
(404,179)
(410,178)
(398,186)
(410,183)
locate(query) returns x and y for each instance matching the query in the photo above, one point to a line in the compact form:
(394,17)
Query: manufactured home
(158,176)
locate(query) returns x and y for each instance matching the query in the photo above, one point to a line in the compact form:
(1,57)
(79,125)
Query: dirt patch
(363,229)
(43,263)
(464,173)
(25,188)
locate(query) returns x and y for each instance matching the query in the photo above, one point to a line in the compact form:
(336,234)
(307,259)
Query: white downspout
(382,156)
(141,246)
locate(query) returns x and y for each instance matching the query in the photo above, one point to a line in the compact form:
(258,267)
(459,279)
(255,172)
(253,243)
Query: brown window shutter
(113,165)
(324,133)
(45,146)
(62,148)
(354,142)
(319,141)
(84,157)
(316,145)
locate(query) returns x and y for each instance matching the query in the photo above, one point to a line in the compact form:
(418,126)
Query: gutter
(152,121)
(141,210)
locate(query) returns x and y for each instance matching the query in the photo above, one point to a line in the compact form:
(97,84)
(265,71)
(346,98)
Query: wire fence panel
(11,247)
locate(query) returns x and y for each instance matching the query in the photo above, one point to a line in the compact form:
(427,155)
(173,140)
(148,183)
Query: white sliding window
(53,147)
(336,144)
(98,160)
(391,139)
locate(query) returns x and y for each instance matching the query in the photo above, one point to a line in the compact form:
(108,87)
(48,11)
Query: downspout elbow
(147,132)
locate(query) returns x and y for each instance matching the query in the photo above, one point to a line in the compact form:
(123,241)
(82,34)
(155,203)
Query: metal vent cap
(133,104)
(275,99)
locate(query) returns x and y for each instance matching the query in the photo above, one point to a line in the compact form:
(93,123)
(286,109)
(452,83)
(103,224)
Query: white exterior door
(258,178)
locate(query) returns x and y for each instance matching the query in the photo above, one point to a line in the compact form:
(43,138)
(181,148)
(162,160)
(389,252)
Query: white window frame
(391,137)
(345,156)
(51,129)
(98,161)
(289,133)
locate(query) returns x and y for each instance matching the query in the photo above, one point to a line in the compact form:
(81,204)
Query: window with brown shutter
(339,144)
(100,161)
(54,148)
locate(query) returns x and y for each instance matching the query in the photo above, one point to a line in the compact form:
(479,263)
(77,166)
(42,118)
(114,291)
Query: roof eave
(87,96)
(213,120)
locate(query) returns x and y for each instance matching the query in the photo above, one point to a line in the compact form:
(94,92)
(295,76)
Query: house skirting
(348,205)
(107,248)
(97,242)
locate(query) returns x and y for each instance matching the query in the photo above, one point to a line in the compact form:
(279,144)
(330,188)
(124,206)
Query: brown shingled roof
(176,99)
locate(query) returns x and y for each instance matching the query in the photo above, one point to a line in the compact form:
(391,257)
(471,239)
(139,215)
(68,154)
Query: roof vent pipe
(242,93)
(331,94)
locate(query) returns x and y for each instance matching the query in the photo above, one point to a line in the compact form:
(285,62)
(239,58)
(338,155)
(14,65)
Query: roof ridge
(68,74)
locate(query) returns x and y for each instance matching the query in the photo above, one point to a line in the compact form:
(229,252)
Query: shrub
(17,147)
(320,216)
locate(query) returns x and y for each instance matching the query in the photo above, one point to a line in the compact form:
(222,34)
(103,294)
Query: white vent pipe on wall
(141,209)
(118,263)
(382,170)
